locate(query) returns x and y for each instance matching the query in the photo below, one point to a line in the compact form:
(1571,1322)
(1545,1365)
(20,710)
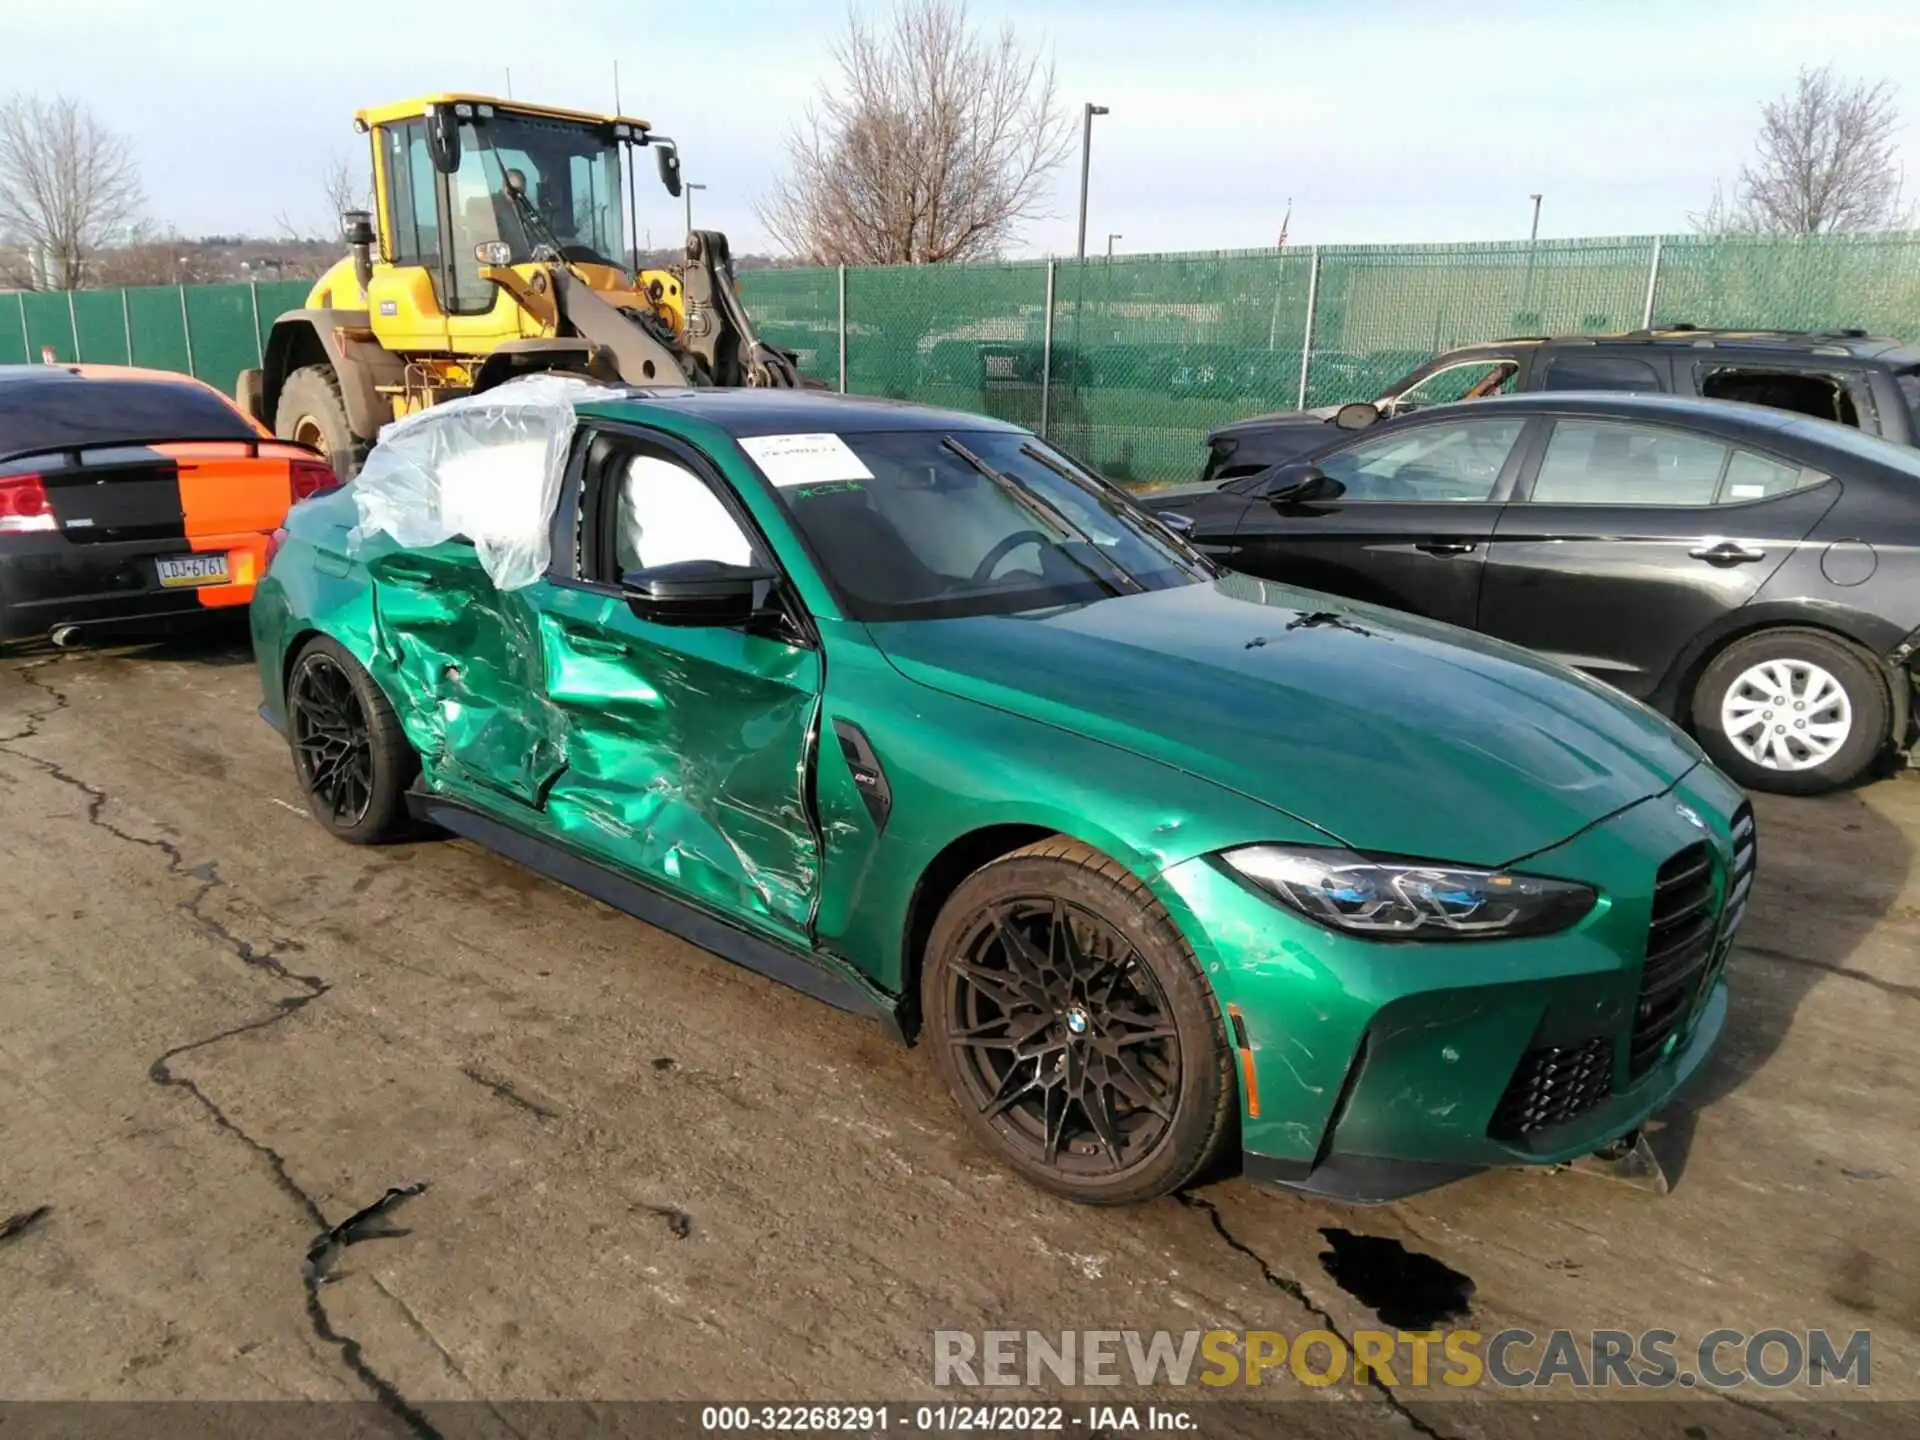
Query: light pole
(1533,242)
(689,189)
(1112,235)
(1086,151)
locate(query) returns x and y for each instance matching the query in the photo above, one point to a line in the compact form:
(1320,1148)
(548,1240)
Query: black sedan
(1752,573)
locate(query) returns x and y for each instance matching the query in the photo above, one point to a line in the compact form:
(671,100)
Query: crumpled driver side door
(688,747)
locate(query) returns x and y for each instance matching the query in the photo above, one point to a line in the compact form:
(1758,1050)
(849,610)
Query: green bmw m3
(907,709)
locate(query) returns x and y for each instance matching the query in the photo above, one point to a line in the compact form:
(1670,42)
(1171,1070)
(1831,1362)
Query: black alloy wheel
(1064,1031)
(1073,1027)
(350,754)
(331,745)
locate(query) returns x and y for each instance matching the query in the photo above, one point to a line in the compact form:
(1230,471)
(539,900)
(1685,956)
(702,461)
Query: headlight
(1385,900)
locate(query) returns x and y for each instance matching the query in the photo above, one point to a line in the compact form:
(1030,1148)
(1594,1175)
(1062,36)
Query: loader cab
(457,177)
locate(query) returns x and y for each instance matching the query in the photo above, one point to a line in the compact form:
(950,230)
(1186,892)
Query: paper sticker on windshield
(805,459)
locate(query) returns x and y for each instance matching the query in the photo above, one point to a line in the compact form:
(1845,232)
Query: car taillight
(23,505)
(310,476)
(275,541)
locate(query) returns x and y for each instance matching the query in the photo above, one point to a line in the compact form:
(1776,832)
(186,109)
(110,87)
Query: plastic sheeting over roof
(485,467)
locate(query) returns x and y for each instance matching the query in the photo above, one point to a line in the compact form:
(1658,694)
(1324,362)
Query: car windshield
(926,524)
(566,173)
(61,411)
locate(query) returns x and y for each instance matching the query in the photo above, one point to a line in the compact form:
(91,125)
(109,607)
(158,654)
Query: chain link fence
(212,332)
(1129,362)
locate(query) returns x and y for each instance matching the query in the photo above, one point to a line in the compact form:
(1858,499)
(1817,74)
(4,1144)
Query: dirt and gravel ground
(652,1175)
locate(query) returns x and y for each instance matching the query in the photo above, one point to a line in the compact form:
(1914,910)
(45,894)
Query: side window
(664,514)
(1806,392)
(1459,460)
(413,220)
(1572,370)
(1760,477)
(1909,383)
(1603,462)
(1472,380)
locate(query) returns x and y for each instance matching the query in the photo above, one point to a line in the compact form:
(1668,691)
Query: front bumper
(1374,1071)
(48,582)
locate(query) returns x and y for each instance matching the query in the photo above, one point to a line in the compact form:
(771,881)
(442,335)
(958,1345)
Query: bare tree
(153,255)
(68,186)
(933,144)
(347,186)
(1826,159)
(344,186)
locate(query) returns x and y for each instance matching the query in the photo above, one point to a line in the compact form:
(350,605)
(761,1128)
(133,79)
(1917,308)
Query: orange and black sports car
(134,497)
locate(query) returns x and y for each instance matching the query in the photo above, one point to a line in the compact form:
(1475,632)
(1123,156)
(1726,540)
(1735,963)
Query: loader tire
(313,411)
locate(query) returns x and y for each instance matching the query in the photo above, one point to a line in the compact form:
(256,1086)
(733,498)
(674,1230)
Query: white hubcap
(1786,715)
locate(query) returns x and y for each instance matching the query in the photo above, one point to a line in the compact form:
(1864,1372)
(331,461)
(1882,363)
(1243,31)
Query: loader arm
(719,331)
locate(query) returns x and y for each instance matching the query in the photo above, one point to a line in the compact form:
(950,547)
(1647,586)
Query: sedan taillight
(23,505)
(311,477)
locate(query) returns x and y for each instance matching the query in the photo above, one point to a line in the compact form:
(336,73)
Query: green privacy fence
(1129,362)
(209,331)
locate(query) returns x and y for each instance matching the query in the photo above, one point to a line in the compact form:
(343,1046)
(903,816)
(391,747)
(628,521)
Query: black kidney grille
(1552,1086)
(1680,940)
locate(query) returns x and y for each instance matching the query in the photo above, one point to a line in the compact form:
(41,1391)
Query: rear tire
(1791,711)
(350,755)
(1087,1052)
(313,410)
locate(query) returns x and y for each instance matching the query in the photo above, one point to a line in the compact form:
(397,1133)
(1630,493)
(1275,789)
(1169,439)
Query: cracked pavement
(232,1047)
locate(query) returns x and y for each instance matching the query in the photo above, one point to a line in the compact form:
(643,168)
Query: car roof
(64,373)
(784,412)
(1849,344)
(1711,414)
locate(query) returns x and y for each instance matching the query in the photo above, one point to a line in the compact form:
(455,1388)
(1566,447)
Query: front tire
(313,411)
(1794,712)
(349,753)
(1074,1029)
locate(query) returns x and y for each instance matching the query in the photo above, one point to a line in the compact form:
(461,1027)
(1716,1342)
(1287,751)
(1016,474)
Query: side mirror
(443,139)
(668,159)
(1356,415)
(1301,483)
(493,252)
(698,592)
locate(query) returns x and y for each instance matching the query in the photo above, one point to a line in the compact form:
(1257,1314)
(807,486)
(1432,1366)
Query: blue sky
(1384,120)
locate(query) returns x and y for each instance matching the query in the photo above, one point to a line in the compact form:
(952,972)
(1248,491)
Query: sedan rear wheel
(1791,711)
(349,753)
(1070,1022)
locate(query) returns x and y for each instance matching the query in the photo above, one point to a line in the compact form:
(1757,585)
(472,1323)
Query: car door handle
(1727,552)
(1446,547)
(589,643)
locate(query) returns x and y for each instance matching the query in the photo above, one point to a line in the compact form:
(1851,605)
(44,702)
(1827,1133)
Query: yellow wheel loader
(496,248)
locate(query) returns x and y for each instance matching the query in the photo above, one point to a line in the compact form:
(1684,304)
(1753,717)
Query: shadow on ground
(1814,905)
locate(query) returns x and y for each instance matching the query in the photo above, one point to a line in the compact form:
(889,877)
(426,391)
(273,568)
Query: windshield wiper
(1117,511)
(1037,505)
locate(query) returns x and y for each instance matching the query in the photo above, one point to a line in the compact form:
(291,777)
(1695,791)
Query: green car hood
(1390,733)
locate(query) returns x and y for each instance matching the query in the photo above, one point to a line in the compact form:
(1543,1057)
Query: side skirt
(657,908)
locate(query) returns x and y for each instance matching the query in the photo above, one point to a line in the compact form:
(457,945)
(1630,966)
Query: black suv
(1845,375)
